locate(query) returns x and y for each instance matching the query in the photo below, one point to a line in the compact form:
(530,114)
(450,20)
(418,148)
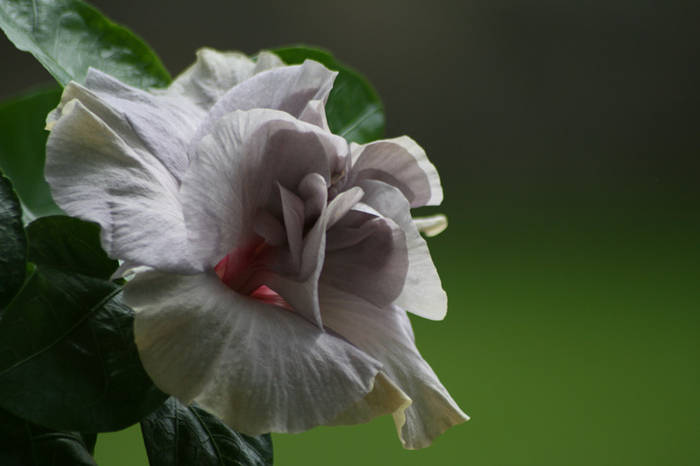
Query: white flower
(229,185)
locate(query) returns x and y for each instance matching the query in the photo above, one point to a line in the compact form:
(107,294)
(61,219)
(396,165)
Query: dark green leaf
(15,428)
(354,109)
(26,444)
(179,435)
(69,36)
(18,429)
(69,244)
(67,355)
(23,148)
(13,243)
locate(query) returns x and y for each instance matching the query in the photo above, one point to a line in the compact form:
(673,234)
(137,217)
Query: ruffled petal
(245,156)
(116,121)
(215,73)
(386,335)
(315,113)
(298,285)
(402,163)
(96,175)
(165,124)
(366,255)
(256,366)
(422,292)
(385,398)
(293,214)
(299,90)
(166,121)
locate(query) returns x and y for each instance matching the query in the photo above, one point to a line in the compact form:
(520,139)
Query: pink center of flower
(238,266)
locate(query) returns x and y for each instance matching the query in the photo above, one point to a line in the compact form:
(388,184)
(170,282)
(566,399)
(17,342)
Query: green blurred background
(567,137)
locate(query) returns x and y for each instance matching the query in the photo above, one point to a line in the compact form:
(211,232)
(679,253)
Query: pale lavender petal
(314,191)
(315,113)
(268,227)
(95,175)
(293,213)
(385,333)
(402,163)
(256,366)
(385,398)
(290,89)
(165,124)
(114,119)
(299,287)
(215,73)
(347,236)
(336,208)
(343,203)
(266,61)
(367,257)
(422,293)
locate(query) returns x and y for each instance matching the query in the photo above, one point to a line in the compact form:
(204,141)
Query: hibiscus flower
(272,262)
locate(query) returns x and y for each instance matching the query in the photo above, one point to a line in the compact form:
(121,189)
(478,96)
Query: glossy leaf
(69,36)
(179,435)
(69,244)
(68,359)
(23,148)
(13,243)
(26,444)
(354,109)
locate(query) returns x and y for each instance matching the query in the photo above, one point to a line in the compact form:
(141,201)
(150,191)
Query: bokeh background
(566,134)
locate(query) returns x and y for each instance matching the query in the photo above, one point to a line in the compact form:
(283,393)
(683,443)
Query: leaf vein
(60,338)
(219,456)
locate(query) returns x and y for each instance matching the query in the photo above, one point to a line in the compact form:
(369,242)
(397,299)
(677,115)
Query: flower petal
(299,286)
(402,163)
(164,123)
(245,156)
(116,121)
(432,225)
(290,89)
(385,398)
(386,335)
(95,175)
(366,255)
(215,73)
(315,113)
(422,293)
(258,367)
(314,191)
(293,213)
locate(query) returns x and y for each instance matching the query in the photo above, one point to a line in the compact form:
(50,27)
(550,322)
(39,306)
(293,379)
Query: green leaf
(69,36)
(68,359)
(354,109)
(23,148)
(69,244)
(13,243)
(26,444)
(179,435)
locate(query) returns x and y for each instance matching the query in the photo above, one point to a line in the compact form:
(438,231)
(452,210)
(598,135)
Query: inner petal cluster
(317,231)
(278,242)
